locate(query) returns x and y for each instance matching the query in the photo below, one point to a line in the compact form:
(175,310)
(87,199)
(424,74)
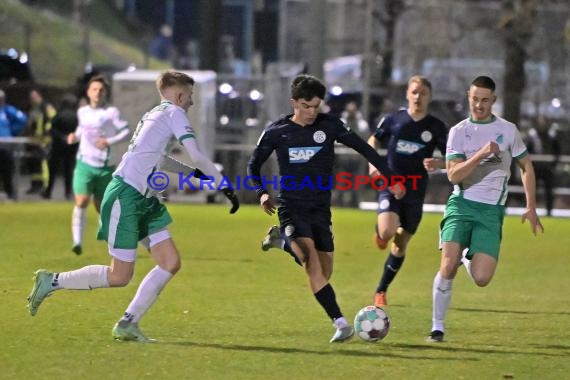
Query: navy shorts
(409,210)
(313,223)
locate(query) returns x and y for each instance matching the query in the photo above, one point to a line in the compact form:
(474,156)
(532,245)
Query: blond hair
(172,79)
(421,80)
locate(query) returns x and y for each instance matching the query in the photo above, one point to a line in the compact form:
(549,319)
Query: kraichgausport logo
(159,181)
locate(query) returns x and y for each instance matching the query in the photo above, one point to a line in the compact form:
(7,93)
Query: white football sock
(78,218)
(341,322)
(147,293)
(466,263)
(86,278)
(441,299)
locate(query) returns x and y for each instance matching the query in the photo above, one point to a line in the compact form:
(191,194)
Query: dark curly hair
(307,87)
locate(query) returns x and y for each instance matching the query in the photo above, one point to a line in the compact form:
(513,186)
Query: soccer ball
(372,323)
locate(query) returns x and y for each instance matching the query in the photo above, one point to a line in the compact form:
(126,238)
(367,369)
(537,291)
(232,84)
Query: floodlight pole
(367,59)
(316,42)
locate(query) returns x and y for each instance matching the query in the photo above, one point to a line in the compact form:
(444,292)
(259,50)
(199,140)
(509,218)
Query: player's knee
(386,233)
(448,269)
(327,273)
(482,269)
(481,280)
(82,203)
(172,266)
(176,267)
(119,280)
(398,250)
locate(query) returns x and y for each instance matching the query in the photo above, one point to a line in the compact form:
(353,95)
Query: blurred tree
(379,54)
(517,24)
(388,15)
(81,9)
(211,11)
(316,20)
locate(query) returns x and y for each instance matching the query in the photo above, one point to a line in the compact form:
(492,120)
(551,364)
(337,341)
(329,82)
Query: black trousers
(7,172)
(61,157)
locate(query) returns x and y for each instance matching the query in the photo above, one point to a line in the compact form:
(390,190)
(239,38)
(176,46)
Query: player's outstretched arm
(355,142)
(207,169)
(529,185)
(171,164)
(201,161)
(260,154)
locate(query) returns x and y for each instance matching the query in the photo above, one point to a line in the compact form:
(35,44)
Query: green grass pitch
(235,312)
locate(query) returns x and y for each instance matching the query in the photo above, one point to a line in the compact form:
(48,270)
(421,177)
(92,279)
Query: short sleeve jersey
(150,141)
(488,182)
(95,123)
(409,142)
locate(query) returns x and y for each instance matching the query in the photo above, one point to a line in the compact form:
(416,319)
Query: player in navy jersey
(411,136)
(304,144)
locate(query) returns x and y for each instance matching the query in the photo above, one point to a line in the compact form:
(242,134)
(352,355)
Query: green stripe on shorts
(128,217)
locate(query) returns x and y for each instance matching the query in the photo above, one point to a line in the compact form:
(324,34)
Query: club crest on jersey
(303,154)
(499,139)
(426,136)
(319,137)
(408,147)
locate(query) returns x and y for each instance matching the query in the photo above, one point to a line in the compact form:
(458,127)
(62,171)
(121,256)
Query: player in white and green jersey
(100,127)
(487,183)
(131,212)
(478,159)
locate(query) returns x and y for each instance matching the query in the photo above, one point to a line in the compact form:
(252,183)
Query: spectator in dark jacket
(12,122)
(62,155)
(544,139)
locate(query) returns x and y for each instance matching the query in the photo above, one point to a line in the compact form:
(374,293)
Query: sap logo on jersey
(302,155)
(408,147)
